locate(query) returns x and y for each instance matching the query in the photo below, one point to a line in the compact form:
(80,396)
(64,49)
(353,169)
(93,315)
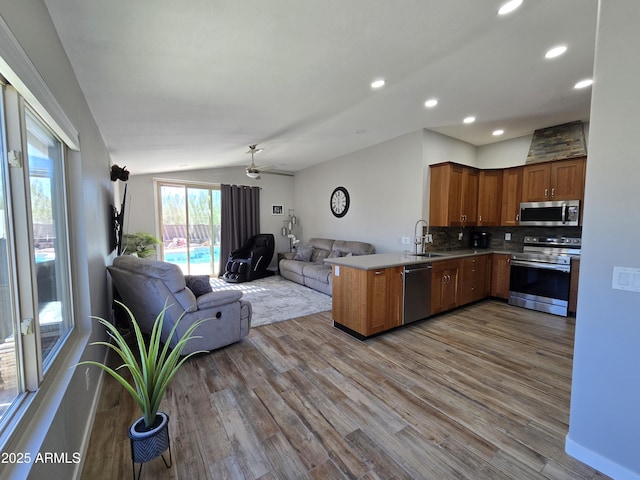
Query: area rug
(274,299)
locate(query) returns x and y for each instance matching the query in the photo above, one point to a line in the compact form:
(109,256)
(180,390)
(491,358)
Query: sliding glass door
(190,226)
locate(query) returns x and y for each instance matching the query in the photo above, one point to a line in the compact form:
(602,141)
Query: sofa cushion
(317,272)
(356,248)
(323,243)
(304,253)
(294,266)
(319,255)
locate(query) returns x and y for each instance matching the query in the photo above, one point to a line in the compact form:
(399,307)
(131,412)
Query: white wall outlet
(336,271)
(406,240)
(429,238)
(507,236)
(460,235)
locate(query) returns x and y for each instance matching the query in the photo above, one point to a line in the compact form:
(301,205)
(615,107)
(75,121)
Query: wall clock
(339,202)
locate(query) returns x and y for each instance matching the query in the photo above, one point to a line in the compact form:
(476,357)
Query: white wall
(385,187)
(275,190)
(604,426)
(63,417)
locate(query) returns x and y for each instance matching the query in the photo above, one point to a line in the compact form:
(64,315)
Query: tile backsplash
(446,238)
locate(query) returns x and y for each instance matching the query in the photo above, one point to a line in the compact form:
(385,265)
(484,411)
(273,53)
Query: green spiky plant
(156,365)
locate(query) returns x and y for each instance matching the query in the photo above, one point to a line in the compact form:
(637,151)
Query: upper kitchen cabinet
(489,198)
(550,181)
(453,195)
(511,196)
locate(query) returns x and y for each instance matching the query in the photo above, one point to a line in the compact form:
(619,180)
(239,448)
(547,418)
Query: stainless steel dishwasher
(417,292)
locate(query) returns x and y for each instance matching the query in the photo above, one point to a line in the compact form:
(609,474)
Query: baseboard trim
(597,461)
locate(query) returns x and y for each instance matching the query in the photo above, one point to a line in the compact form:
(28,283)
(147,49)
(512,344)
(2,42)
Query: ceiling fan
(252,171)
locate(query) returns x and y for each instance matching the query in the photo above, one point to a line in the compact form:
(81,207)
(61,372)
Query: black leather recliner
(250,261)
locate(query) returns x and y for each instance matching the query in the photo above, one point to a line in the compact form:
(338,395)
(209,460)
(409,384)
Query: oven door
(540,286)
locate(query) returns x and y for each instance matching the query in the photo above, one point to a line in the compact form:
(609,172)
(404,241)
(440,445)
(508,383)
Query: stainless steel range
(540,275)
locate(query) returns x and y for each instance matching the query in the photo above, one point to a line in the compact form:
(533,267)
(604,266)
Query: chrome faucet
(419,238)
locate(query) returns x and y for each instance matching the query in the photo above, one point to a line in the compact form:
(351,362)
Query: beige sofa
(306,266)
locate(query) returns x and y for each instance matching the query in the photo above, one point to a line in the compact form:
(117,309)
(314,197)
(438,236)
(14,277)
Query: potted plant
(151,371)
(141,244)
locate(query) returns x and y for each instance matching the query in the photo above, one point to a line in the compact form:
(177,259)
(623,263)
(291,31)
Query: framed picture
(277,209)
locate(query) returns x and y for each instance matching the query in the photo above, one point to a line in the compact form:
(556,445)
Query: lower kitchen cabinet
(500,272)
(573,285)
(444,285)
(475,278)
(367,301)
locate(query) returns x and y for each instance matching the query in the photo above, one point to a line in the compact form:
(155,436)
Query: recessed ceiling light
(361,132)
(432,102)
(583,83)
(378,83)
(509,6)
(556,51)
(469,120)
(497,133)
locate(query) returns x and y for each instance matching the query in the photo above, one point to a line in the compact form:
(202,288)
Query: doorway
(189,219)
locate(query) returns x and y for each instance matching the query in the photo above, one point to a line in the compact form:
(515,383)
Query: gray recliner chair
(145,285)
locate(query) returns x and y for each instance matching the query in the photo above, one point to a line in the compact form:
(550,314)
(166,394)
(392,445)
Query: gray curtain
(240,220)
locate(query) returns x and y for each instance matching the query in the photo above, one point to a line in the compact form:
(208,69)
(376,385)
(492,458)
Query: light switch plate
(626,278)
(507,236)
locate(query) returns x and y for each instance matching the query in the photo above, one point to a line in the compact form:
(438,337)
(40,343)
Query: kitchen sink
(430,254)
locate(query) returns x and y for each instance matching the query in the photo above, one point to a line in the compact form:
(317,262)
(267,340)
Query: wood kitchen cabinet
(511,196)
(367,301)
(453,195)
(475,278)
(489,197)
(550,181)
(573,284)
(500,273)
(444,285)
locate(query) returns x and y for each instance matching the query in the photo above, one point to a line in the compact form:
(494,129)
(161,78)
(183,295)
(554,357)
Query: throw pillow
(304,253)
(319,255)
(198,284)
(335,254)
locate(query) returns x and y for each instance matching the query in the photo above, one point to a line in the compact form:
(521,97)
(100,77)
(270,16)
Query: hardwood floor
(480,393)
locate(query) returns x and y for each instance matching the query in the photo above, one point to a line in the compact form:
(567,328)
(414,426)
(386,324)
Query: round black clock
(339,202)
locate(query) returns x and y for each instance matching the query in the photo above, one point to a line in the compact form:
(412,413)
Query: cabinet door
(489,197)
(500,272)
(453,195)
(511,196)
(349,298)
(444,286)
(469,196)
(384,294)
(567,179)
(444,194)
(377,298)
(536,181)
(573,285)
(474,279)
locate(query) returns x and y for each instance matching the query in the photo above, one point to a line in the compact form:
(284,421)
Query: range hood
(558,143)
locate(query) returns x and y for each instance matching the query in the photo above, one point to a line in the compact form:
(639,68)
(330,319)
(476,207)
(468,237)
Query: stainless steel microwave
(550,214)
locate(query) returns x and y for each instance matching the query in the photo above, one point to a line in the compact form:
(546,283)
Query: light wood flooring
(480,393)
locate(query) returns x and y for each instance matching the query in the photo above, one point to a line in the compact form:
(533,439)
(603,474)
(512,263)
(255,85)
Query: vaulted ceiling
(188,85)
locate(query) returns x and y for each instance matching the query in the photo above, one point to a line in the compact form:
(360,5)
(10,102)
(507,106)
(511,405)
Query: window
(36,314)
(190,225)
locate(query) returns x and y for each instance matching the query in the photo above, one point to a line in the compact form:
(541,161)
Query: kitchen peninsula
(368,289)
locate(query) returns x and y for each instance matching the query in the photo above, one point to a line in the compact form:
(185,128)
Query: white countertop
(387,260)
